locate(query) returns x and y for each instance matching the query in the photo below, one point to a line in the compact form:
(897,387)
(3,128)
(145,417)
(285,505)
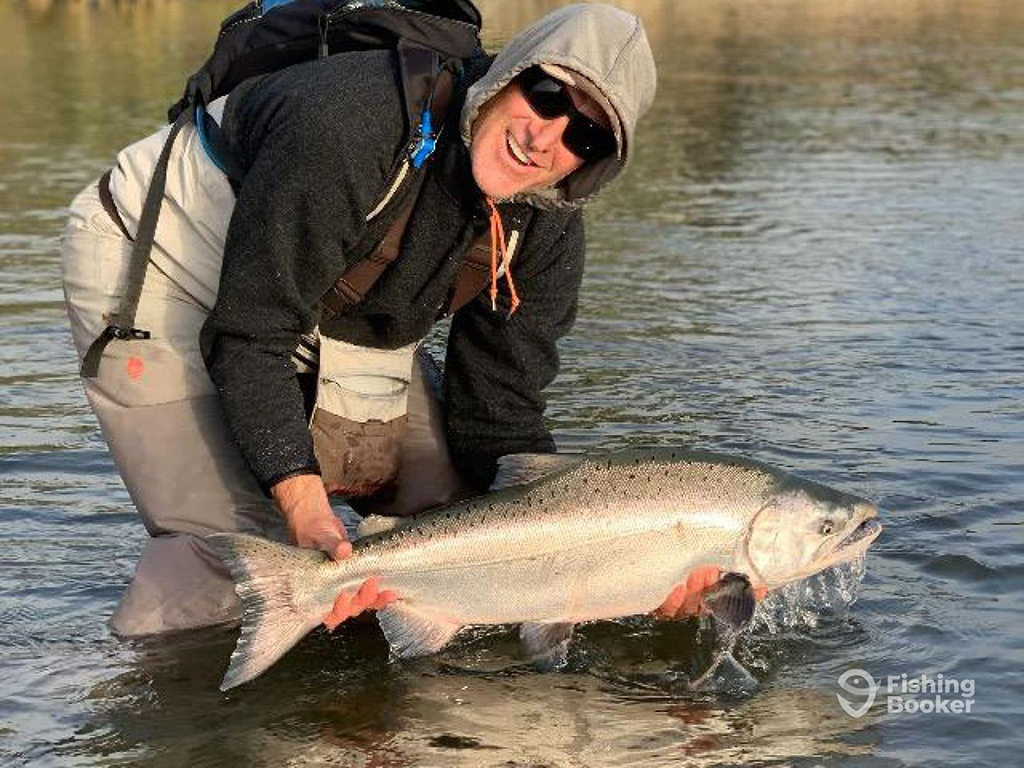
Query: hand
(349,604)
(312,524)
(687,599)
(311,521)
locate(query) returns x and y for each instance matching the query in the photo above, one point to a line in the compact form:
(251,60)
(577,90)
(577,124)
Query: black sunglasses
(549,98)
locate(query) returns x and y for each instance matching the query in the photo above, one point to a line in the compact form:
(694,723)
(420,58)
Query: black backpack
(267,36)
(430,37)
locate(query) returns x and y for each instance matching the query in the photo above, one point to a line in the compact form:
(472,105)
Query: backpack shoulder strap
(473,276)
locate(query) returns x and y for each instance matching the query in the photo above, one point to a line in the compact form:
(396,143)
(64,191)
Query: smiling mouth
(517,152)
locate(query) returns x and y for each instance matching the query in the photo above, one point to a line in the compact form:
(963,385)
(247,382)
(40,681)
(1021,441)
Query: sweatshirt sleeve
(316,143)
(497,366)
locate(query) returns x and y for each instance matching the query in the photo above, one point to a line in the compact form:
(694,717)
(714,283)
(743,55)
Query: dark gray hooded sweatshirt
(316,142)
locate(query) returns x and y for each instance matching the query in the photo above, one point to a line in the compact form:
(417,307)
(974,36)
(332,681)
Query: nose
(545,134)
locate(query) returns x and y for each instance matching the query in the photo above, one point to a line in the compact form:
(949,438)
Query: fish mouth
(855,543)
(868,529)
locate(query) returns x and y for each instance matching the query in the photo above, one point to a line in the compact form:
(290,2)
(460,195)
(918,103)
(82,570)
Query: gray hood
(604,44)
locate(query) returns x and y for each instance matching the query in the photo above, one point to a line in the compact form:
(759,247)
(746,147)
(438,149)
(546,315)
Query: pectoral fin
(546,645)
(411,633)
(731,600)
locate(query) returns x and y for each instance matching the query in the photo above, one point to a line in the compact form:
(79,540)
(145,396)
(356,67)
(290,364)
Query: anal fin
(411,633)
(547,644)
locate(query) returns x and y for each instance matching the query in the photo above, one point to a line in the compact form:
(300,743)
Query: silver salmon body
(606,538)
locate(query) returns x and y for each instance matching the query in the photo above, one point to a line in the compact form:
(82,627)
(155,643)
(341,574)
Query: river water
(817,260)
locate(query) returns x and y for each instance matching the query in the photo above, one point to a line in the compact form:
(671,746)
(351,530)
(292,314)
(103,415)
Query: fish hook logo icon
(869,690)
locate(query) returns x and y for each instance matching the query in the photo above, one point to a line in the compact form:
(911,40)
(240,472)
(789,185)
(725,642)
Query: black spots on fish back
(484,513)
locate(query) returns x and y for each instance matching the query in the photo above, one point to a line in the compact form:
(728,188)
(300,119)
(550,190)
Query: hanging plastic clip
(426,141)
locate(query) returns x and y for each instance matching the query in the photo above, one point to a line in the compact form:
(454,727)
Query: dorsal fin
(523,468)
(374,524)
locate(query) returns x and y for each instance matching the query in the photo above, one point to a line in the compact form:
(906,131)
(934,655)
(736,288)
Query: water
(817,260)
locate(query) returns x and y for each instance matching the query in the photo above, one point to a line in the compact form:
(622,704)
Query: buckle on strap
(91,362)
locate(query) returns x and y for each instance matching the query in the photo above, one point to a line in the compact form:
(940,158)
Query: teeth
(517,151)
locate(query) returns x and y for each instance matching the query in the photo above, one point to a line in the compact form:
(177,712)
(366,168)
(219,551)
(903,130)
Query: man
(234,282)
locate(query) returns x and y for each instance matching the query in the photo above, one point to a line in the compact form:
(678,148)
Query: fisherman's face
(515,150)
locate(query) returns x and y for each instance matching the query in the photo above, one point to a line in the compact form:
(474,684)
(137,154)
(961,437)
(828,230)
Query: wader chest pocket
(360,416)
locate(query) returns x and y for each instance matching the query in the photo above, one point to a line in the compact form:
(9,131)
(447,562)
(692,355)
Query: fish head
(804,528)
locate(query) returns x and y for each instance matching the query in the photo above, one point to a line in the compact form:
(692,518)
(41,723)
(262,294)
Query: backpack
(430,38)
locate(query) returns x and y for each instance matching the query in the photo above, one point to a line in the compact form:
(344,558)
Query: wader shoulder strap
(354,283)
(122,324)
(473,276)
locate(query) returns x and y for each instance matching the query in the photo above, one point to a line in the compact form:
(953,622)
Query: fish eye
(826,528)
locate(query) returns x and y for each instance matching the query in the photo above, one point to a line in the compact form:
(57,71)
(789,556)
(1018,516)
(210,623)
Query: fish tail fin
(264,573)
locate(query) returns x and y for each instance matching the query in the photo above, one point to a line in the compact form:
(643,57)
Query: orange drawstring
(498,242)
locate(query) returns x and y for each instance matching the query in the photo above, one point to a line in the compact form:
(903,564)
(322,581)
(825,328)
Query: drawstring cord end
(498,243)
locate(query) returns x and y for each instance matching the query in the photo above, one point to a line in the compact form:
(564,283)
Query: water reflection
(339,701)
